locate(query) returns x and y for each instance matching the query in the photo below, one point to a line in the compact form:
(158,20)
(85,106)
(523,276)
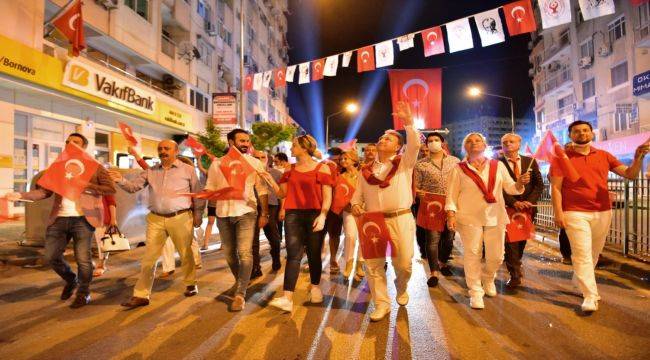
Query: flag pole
(58,13)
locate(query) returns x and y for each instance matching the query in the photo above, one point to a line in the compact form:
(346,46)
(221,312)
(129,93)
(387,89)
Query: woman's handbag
(113,240)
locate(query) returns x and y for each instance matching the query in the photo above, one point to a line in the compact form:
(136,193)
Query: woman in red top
(307,189)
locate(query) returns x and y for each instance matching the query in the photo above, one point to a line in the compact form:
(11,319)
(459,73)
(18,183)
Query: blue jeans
(57,236)
(236,234)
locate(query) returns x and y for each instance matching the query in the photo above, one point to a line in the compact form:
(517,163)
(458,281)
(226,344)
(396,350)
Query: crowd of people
(311,200)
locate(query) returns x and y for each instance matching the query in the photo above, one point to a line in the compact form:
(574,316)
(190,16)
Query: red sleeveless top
(304,188)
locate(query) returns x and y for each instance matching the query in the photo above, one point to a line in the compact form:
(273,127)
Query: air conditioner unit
(107,4)
(209,28)
(604,50)
(554,66)
(584,62)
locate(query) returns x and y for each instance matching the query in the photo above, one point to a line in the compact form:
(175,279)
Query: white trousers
(402,230)
(587,232)
(169,252)
(351,237)
(473,238)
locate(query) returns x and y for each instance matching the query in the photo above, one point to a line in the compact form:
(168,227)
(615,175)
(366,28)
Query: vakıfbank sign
(82,77)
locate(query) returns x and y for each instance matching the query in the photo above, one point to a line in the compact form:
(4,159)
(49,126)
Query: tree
(211,139)
(266,135)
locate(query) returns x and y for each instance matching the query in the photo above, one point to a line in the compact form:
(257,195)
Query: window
(105,59)
(644,14)
(587,48)
(540,116)
(616,29)
(565,101)
(619,74)
(588,88)
(198,100)
(141,7)
(623,117)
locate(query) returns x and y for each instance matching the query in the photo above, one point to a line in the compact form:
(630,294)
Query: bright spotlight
(352,108)
(474,91)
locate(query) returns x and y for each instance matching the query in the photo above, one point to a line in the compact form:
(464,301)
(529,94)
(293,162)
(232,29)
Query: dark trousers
(300,237)
(565,246)
(420,232)
(57,236)
(514,252)
(438,247)
(446,245)
(272,235)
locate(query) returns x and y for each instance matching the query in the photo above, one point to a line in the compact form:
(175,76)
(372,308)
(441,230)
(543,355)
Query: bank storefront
(43,99)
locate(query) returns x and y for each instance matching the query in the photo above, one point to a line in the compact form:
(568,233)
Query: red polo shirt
(590,192)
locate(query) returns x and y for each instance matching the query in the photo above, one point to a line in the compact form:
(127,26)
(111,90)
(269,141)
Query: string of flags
(519,19)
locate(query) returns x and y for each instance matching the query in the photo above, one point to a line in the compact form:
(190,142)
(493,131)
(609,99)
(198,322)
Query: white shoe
(476,302)
(282,303)
(316,296)
(403,298)
(589,305)
(380,312)
(489,288)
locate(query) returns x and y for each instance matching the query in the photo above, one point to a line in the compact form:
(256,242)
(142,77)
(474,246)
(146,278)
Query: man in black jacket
(517,165)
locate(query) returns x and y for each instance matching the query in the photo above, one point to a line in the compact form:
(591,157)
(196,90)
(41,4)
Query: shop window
(619,74)
(141,7)
(616,29)
(101,140)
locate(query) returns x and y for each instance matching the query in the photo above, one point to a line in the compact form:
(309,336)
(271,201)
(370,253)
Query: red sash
(488,193)
(366,171)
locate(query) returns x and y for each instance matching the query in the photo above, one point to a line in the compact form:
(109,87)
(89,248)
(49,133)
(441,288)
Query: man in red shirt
(583,207)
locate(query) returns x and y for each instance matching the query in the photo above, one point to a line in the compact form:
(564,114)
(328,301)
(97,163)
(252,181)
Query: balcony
(559,48)
(558,81)
(176,13)
(167,46)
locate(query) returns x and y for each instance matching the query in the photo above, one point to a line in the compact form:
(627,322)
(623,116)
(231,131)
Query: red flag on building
(235,168)
(342,196)
(70,23)
(374,237)
(433,41)
(69,175)
(127,132)
(551,151)
(422,90)
(280,79)
(431,213)
(248,82)
(521,225)
(317,69)
(519,17)
(366,59)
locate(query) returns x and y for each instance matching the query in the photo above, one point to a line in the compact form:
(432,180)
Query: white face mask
(434,146)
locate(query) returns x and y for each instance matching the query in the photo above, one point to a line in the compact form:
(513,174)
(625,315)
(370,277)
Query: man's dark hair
(282,157)
(233,133)
(335,151)
(371,144)
(435,134)
(84,140)
(580,122)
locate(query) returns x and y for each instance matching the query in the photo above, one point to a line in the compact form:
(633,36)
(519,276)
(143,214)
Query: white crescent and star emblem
(369,225)
(517,215)
(280,74)
(430,35)
(365,55)
(514,13)
(71,171)
(235,166)
(414,82)
(346,188)
(438,208)
(73,18)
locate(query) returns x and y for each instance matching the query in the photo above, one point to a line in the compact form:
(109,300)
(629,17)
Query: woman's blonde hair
(308,143)
(353,155)
(472,134)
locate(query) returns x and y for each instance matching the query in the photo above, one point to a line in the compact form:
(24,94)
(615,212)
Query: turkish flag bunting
(197,148)
(366,59)
(422,90)
(280,77)
(235,168)
(374,237)
(70,23)
(248,82)
(521,225)
(343,192)
(317,69)
(432,41)
(127,132)
(519,17)
(70,173)
(551,151)
(431,213)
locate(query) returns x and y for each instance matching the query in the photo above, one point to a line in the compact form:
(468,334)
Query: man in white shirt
(237,219)
(394,198)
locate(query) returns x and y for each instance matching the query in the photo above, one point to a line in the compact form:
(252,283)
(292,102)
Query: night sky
(319,28)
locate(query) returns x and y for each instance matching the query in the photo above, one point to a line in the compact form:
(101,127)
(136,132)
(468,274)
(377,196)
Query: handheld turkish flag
(317,69)
(343,192)
(432,41)
(521,225)
(70,23)
(520,17)
(431,214)
(279,77)
(70,173)
(227,193)
(551,151)
(366,59)
(235,168)
(422,90)
(197,148)
(127,132)
(374,236)
(528,151)
(248,82)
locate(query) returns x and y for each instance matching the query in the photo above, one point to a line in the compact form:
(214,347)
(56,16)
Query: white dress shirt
(466,199)
(398,195)
(232,208)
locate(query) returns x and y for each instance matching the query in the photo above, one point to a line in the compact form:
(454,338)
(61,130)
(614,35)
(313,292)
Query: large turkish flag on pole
(70,23)
(69,175)
(422,90)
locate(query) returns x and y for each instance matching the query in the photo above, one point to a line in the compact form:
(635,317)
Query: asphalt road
(542,320)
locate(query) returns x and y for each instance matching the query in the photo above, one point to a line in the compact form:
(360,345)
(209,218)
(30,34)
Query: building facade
(585,69)
(492,127)
(173,55)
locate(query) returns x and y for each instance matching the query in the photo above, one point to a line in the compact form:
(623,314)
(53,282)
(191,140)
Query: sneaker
(68,289)
(191,290)
(282,303)
(489,288)
(403,298)
(589,305)
(80,300)
(380,312)
(315,295)
(476,302)
(238,303)
(257,272)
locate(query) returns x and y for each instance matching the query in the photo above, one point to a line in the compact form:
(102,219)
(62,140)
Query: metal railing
(630,229)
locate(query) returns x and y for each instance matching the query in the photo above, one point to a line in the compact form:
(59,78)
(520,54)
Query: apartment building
(492,127)
(174,53)
(585,70)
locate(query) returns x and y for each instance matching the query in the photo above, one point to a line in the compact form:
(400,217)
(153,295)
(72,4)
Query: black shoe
(256,273)
(433,281)
(135,302)
(68,289)
(276,266)
(566,261)
(191,290)
(513,283)
(80,300)
(446,271)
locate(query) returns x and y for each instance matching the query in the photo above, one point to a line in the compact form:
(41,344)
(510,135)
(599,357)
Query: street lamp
(350,108)
(476,92)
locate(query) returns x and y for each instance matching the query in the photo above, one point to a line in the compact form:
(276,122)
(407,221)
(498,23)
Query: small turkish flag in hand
(374,236)
(70,23)
(366,59)
(127,132)
(551,151)
(69,175)
(431,214)
(342,196)
(519,17)
(197,148)
(235,168)
(521,225)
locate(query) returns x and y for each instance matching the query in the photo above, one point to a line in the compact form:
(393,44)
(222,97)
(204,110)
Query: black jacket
(533,189)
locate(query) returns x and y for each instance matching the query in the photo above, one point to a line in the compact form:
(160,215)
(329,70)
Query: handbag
(113,240)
